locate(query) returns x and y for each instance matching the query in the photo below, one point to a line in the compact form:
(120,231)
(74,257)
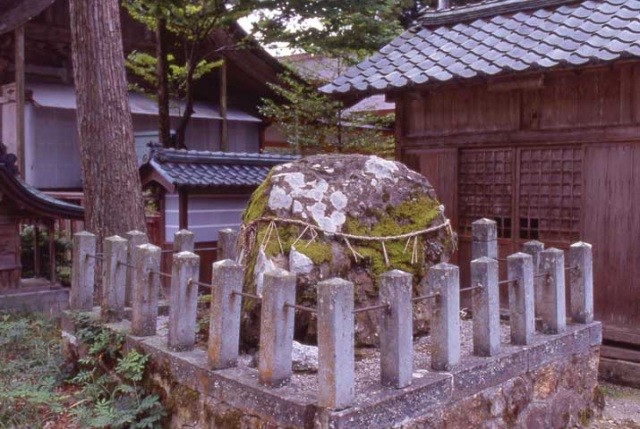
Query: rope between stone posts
(425,297)
(301,308)
(207,285)
(371,308)
(470,288)
(248,295)
(273,221)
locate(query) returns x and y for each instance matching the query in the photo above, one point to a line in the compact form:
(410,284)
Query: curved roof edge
(18,13)
(29,199)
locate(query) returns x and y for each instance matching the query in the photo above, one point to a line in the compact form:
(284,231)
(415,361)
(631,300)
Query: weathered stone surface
(308,203)
(305,358)
(560,393)
(299,263)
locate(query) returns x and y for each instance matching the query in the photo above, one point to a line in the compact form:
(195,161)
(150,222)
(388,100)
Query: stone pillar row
(135,264)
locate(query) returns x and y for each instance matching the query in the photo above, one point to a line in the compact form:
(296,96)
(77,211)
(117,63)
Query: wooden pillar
(224,129)
(52,252)
(183,209)
(37,260)
(20,97)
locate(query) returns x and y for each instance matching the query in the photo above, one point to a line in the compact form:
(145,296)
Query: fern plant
(109,380)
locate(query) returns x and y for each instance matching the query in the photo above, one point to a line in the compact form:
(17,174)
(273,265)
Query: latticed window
(550,194)
(486,188)
(548,201)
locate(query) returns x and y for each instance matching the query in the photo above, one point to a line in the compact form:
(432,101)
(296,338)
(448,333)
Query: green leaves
(144,65)
(131,366)
(109,382)
(336,28)
(313,122)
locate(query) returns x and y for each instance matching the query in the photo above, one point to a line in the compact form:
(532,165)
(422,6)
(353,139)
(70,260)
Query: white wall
(244,136)
(207,215)
(53,153)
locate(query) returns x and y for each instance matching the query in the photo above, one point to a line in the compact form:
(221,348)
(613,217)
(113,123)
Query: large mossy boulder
(309,217)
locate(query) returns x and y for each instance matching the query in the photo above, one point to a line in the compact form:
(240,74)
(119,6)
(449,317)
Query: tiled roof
(192,168)
(28,199)
(499,37)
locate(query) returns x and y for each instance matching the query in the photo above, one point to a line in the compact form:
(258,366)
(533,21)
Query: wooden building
(37,96)
(203,192)
(22,203)
(528,112)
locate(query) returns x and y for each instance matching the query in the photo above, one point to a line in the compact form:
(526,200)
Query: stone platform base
(50,301)
(549,384)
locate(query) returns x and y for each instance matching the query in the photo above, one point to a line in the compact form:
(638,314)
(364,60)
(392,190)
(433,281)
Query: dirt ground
(622,408)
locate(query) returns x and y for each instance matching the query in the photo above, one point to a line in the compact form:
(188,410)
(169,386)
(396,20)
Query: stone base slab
(50,301)
(549,384)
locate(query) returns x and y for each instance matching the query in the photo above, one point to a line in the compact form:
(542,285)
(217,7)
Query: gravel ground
(622,404)
(622,408)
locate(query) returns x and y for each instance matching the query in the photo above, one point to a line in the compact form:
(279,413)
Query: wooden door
(611,223)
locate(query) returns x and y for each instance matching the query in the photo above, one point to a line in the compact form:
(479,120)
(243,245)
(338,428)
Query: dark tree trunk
(162,71)
(113,195)
(188,110)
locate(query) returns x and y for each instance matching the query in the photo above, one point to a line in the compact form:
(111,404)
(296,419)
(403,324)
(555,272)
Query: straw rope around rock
(248,235)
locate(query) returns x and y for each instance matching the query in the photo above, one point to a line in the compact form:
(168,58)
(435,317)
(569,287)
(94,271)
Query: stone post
(83,271)
(446,316)
(553,305)
(146,290)
(114,273)
(276,328)
(521,316)
(534,248)
(396,329)
(486,307)
(336,344)
(224,327)
(135,239)
(485,239)
(227,244)
(581,280)
(184,241)
(183,301)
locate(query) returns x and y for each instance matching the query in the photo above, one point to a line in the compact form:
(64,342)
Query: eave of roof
(14,13)
(471,12)
(29,199)
(576,34)
(174,168)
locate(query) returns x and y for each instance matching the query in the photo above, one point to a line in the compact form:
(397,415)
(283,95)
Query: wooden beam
(620,353)
(183,209)
(52,252)
(37,260)
(619,372)
(224,127)
(621,335)
(608,134)
(20,98)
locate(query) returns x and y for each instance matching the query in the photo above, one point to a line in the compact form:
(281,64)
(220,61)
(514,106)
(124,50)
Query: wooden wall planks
(592,115)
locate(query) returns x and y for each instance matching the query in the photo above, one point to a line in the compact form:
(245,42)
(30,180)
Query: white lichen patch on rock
(279,199)
(339,200)
(380,168)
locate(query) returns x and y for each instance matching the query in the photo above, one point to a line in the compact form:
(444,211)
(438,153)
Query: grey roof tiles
(191,168)
(499,36)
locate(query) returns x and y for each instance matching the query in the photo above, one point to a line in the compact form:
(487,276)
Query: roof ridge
(218,157)
(487,8)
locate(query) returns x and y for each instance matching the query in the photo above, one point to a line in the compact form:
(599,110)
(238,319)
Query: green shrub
(62,249)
